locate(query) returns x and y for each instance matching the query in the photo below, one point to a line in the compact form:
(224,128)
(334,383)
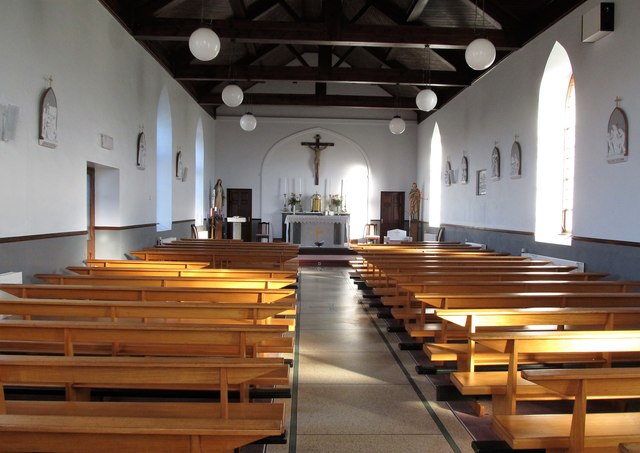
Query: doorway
(391,212)
(239,204)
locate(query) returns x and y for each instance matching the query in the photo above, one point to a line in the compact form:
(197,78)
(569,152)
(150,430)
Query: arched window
(435,183)
(199,198)
(164,164)
(556,150)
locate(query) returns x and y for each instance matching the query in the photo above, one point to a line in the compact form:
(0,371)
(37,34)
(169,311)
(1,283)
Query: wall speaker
(597,22)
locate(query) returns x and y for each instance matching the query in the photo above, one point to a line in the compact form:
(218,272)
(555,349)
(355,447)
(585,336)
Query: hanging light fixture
(204,44)
(397,125)
(248,122)
(232,95)
(427,99)
(480,53)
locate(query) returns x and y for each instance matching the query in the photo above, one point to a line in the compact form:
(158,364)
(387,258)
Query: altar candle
(341,187)
(299,185)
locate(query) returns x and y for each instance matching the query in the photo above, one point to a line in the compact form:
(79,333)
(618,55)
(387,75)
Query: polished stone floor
(353,389)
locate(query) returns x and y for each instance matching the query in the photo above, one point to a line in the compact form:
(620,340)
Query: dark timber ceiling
(328,52)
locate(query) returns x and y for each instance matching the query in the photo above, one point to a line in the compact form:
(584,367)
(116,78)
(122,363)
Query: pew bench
(149,293)
(167,282)
(596,346)
(162,340)
(145,311)
(95,262)
(129,426)
(579,431)
(159,272)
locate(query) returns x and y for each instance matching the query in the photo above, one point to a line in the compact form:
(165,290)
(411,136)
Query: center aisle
(353,390)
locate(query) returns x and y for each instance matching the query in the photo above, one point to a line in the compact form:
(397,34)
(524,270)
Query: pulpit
(318,230)
(237,226)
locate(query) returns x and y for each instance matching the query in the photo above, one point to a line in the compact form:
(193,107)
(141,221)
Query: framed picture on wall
(617,137)
(481,182)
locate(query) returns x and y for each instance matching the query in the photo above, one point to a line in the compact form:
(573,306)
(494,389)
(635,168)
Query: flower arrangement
(335,202)
(294,199)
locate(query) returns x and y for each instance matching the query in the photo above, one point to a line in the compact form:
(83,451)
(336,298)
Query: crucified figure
(316,147)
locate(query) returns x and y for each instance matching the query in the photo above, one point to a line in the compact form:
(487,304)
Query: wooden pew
(469,355)
(197,273)
(132,427)
(149,293)
(409,313)
(602,343)
(166,282)
(149,264)
(160,339)
(220,258)
(508,300)
(577,432)
(146,311)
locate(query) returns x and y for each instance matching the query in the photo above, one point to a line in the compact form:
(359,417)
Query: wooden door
(239,204)
(91,213)
(391,212)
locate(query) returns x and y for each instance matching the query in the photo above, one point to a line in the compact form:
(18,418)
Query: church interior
(329,150)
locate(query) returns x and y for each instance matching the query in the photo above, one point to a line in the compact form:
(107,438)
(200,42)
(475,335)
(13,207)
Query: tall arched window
(199,198)
(164,164)
(435,183)
(556,150)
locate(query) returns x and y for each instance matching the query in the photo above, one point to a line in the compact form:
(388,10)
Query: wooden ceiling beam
(365,102)
(394,76)
(315,33)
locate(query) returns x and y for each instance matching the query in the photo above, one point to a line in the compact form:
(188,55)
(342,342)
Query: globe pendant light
(426,100)
(204,44)
(232,95)
(248,122)
(397,125)
(480,54)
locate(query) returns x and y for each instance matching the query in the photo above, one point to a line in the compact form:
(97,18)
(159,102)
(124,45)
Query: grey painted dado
(53,255)
(620,260)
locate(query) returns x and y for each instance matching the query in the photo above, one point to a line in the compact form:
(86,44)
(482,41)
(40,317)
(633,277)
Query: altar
(310,230)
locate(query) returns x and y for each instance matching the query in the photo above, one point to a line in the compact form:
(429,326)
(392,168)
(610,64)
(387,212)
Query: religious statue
(218,196)
(414,202)
(316,147)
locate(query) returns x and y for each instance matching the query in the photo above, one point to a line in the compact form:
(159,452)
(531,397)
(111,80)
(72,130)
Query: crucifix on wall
(316,147)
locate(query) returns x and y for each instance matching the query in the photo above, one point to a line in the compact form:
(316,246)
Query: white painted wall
(503,104)
(240,157)
(105,83)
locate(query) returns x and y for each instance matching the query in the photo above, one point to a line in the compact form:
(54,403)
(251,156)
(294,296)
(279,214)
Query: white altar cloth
(315,228)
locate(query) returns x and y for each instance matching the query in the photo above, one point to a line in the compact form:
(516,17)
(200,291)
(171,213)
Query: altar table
(307,230)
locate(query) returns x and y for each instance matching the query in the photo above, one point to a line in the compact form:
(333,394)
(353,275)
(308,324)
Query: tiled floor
(353,390)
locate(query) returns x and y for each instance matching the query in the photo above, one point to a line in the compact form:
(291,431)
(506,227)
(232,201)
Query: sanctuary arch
(289,167)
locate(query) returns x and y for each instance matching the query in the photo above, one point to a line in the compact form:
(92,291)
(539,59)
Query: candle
(300,185)
(341,187)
